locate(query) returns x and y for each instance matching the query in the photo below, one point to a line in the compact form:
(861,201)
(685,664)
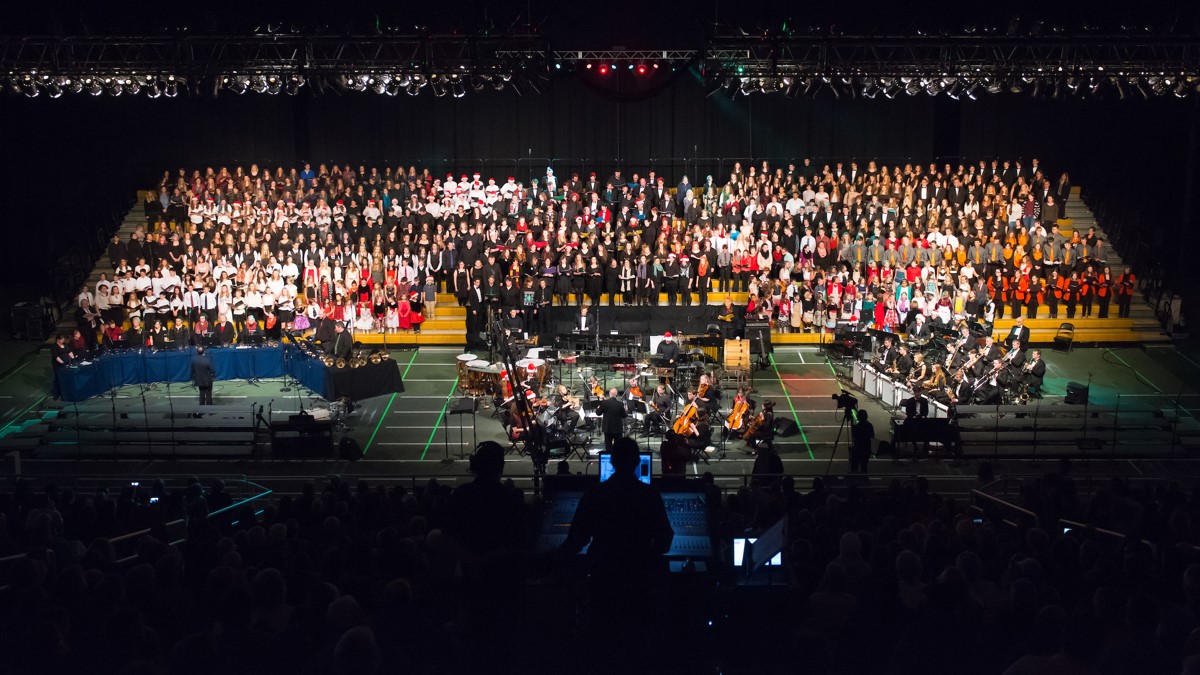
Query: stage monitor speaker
(759,335)
(1077,394)
(349,449)
(785,427)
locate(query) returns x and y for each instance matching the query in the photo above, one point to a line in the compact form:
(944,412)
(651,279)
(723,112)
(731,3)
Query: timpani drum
(477,372)
(463,360)
(539,367)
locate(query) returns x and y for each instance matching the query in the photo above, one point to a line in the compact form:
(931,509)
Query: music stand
(460,408)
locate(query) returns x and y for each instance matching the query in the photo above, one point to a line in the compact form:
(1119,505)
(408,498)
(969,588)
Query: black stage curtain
(693,320)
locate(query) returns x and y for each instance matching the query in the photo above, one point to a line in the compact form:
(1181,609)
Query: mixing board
(686,510)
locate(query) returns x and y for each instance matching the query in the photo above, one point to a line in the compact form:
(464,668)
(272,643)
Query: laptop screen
(643,470)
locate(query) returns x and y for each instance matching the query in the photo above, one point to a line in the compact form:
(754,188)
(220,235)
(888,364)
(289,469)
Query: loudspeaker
(1077,394)
(349,450)
(759,335)
(785,427)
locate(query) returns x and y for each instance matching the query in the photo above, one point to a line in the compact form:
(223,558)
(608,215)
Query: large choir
(808,243)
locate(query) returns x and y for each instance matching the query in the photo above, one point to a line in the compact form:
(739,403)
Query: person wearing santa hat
(372,212)
(667,351)
(449,187)
(508,189)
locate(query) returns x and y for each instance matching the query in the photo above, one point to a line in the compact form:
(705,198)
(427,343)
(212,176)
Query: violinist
(594,388)
(567,408)
(708,395)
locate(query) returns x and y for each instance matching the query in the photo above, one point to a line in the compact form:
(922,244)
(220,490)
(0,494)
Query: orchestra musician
(919,372)
(252,333)
(903,363)
(595,390)
(668,350)
(990,386)
(566,408)
(708,395)
(133,336)
(113,335)
(226,332)
(740,414)
(886,355)
(762,426)
(660,405)
(339,346)
(157,336)
(920,331)
(200,329)
(991,351)
(1033,373)
(916,406)
(1018,332)
(1015,358)
(962,389)
(936,385)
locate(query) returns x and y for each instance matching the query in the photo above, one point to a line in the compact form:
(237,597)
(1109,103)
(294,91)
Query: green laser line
(788,398)
(439,420)
(410,362)
(379,423)
(22,413)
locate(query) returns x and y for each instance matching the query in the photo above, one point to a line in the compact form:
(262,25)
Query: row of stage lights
(54,86)
(456,84)
(1057,88)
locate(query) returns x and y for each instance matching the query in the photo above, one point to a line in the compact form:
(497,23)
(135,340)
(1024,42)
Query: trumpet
(1028,367)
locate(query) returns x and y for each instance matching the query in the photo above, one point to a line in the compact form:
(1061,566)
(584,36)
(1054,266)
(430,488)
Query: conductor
(612,414)
(202,375)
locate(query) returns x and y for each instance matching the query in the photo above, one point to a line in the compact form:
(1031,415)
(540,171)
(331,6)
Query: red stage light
(641,70)
(603,70)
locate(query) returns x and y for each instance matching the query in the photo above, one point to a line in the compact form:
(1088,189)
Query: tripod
(841,427)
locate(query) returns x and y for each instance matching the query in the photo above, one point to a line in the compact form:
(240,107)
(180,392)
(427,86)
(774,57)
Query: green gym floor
(414,436)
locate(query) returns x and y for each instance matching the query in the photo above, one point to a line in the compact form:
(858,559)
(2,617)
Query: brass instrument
(376,358)
(327,360)
(971,361)
(340,363)
(357,362)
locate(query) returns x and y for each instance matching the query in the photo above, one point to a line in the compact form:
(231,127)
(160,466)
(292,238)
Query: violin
(634,390)
(683,424)
(737,416)
(597,391)
(703,392)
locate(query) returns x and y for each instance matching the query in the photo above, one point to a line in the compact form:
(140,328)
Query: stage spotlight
(413,89)
(603,69)
(439,88)
(379,83)
(457,89)
(972,90)
(1059,88)
(912,88)
(1160,85)
(30,87)
(274,86)
(1122,93)
(629,67)
(810,87)
(588,66)
(393,87)
(93,87)
(1037,89)
(172,89)
(791,87)
(479,82)
(955,91)
(294,83)
(641,69)
(1143,89)
(53,90)
(74,86)
(1014,85)
(1181,88)
(747,86)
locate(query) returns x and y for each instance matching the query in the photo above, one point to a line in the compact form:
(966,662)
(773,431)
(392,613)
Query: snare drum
(463,360)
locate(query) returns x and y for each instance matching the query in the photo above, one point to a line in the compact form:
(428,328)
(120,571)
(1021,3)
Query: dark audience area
(352,577)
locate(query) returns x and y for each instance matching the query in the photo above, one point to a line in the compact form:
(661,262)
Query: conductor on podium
(202,375)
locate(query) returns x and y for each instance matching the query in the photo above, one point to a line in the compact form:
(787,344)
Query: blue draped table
(118,368)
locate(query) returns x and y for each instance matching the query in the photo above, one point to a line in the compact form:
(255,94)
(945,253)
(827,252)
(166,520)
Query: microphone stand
(171,408)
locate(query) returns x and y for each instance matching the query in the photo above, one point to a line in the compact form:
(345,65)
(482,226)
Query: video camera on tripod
(845,401)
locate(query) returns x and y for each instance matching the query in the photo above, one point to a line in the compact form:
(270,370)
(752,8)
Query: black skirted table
(142,366)
(365,381)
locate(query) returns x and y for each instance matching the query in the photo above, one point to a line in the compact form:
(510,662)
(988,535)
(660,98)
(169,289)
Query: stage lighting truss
(1058,66)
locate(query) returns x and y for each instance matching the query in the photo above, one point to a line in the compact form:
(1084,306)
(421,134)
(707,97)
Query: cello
(737,417)
(683,423)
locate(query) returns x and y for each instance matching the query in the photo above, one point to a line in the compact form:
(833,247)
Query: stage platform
(416,434)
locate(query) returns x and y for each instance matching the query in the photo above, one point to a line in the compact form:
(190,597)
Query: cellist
(737,420)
